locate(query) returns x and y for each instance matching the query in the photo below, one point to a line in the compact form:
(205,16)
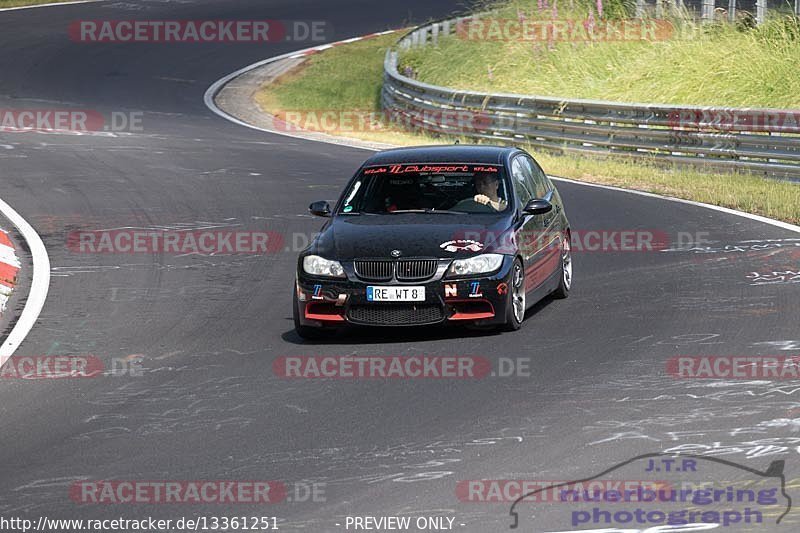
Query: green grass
(751,194)
(344,78)
(17,3)
(720,64)
(349,77)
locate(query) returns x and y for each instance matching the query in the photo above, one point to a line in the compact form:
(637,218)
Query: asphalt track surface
(207,329)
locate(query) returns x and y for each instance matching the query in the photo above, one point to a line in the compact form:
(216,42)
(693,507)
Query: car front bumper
(481,300)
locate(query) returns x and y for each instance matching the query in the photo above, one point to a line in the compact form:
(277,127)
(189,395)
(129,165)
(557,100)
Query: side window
(523,181)
(541,185)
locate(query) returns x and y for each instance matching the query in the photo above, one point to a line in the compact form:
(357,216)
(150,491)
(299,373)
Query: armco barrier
(763,141)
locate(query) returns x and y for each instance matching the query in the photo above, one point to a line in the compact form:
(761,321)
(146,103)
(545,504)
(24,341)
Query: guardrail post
(639,9)
(446,27)
(761,11)
(423,36)
(797,7)
(707,13)
(435,34)
(732,10)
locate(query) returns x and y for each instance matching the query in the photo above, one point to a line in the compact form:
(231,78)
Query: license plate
(395,294)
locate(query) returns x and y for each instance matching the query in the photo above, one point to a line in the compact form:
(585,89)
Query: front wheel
(565,284)
(516,303)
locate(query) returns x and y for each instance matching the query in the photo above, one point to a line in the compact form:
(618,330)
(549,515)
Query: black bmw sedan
(435,234)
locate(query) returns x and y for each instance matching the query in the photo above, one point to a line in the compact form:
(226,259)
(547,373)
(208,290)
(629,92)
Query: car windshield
(428,188)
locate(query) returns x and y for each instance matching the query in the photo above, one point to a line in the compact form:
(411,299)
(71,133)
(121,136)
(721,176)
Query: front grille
(374,270)
(395,314)
(416,269)
(403,269)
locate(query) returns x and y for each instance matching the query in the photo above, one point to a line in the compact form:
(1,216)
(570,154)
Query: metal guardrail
(757,140)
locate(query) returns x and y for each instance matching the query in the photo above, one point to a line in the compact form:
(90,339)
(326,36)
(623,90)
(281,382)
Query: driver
(487,186)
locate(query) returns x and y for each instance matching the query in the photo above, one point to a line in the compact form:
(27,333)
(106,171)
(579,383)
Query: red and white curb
(40,278)
(9,266)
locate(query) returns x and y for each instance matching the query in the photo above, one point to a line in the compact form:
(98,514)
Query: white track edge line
(758,218)
(40,283)
(212,91)
(54,4)
(216,87)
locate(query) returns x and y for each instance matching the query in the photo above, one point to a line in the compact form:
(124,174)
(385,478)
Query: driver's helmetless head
(487,184)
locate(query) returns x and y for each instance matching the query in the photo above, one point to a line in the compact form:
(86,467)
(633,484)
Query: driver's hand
(481,199)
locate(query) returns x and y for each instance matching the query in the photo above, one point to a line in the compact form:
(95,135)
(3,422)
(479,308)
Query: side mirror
(321,209)
(537,207)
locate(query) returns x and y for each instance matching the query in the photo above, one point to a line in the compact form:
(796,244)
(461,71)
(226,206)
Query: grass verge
(717,64)
(349,77)
(18,3)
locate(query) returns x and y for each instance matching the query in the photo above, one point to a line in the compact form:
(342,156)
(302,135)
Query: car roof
(452,153)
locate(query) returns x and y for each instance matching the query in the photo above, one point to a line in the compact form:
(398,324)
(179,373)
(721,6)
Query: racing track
(208,328)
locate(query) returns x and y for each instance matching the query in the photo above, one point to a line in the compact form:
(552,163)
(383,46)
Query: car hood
(414,234)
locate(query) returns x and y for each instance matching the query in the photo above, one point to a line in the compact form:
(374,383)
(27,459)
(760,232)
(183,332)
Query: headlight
(480,264)
(319,266)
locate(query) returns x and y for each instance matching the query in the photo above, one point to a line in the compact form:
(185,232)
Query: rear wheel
(516,303)
(565,284)
(306,332)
